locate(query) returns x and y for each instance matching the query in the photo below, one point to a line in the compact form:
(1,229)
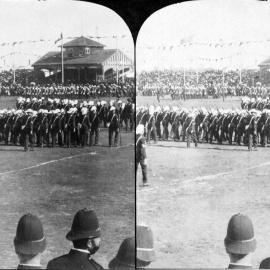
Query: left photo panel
(67,102)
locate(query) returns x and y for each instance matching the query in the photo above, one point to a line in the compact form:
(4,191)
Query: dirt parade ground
(54,183)
(194,192)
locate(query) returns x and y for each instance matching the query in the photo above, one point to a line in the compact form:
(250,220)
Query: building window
(70,52)
(81,52)
(87,50)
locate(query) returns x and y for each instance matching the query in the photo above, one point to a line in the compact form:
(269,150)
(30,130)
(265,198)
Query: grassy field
(194,192)
(228,103)
(55,183)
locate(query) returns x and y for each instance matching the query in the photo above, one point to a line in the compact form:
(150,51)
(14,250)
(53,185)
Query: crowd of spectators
(195,84)
(26,85)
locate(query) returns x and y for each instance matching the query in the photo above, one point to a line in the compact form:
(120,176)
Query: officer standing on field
(141,153)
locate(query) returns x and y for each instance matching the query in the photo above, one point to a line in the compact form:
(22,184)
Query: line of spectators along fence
(201,84)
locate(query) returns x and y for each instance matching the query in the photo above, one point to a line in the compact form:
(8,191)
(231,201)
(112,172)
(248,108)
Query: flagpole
(14,75)
(223,84)
(62,58)
(117,59)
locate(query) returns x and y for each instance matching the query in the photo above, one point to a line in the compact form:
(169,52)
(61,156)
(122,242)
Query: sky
(31,20)
(222,23)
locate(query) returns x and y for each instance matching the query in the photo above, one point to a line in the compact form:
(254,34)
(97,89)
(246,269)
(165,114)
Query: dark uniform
(151,128)
(141,156)
(27,131)
(85,226)
(191,133)
(85,126)
(94,132)
(75,259)
(114,127)
(56,129)
(252,133)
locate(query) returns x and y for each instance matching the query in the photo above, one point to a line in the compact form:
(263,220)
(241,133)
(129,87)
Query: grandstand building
(265,71)
(85,60)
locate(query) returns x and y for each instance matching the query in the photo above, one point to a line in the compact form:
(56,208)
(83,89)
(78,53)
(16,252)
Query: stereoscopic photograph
(202,135)
(67,131)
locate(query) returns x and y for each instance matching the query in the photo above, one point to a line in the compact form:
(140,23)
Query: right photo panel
(203,136)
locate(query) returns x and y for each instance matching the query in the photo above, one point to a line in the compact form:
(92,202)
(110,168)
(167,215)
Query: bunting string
(220,44)
(14,43)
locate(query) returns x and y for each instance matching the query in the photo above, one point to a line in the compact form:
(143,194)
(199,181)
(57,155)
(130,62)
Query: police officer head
(145,246)
(239,241)
(29,241)
(140,129)
(85,231)
(125,258)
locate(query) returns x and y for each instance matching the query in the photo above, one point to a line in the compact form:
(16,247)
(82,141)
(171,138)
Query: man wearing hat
(145,246)
(125,258)
(141,152)
(265,263)
(191,131)
(114,126)
(251,129)
(240,242)
(27,129)
(85,236)
(94,120)
(29,242)
(151,125)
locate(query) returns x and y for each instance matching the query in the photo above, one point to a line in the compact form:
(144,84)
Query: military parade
(67,137)
(100,89)
(65,123)
(203,133)
(221,126)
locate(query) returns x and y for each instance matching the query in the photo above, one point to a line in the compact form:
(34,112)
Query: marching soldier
(94,120)
(191,131)
(151,125)
(42,128)
(114,126)
(8,125)
(56,128)
(141,153)
(27,130)
(85,126)
(251,129)
(16,129)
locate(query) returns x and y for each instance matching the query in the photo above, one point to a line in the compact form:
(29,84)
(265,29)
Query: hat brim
(146,255)
(76,235)
(240,247)
(116,264)
(29,247)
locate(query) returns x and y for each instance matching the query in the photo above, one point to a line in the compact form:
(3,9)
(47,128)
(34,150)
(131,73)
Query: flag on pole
(61,37)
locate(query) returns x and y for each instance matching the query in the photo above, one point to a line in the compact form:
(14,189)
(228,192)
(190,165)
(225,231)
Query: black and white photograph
(67,132)
(202,135)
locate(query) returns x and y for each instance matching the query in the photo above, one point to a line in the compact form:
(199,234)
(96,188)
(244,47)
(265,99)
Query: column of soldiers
(64,122)
(71,91)
(248,127)
(248,103)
